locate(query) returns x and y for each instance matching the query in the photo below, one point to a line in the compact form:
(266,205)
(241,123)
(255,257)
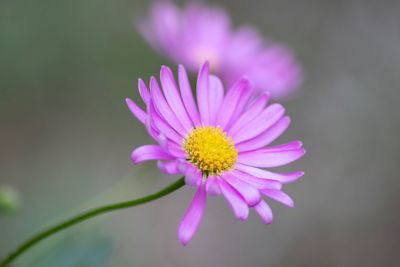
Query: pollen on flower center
(210,150)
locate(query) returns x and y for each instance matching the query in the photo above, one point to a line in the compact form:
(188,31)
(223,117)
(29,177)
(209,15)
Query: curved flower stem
(87,215)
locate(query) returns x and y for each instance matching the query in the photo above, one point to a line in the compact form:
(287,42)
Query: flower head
(217,142)
(197,33)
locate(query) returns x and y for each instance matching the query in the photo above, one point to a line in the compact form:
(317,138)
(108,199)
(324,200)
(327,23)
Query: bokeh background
(66,138)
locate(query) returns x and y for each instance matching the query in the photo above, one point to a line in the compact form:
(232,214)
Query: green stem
(87,215)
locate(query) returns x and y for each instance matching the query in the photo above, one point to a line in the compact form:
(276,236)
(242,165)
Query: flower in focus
(217,142)
(197,33)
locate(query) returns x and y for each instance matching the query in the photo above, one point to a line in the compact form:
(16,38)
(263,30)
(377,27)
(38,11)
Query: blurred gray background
(66,138)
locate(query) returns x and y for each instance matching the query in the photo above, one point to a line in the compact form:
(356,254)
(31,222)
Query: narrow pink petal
(144,92)
(230,104)
(258,183)
(171,147)
(254,109)
(265,212)
(187,96)
(202,89)
(168,167)
(284,147)
(283,178)
(212,186)
(193,176)
(260,158)
(266,137)
(242,103)
(237,203)
(279,196)
(150,127)
(249,193)
(136,110)
(162,126)
(173,98)
(216,96)
(163,108)
(191,221)
(260,123)
(149,152)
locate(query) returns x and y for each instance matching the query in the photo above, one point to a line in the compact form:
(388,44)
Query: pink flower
(217,142)
(198,33)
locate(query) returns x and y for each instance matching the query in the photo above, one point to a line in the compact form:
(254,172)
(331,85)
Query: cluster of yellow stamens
(210,150)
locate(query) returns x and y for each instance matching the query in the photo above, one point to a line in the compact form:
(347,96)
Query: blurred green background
(66,138)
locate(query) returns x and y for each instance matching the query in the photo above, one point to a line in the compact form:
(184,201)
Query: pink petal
(241,104)
(237,203)
(150,127)
(193,176)
(136,110)
(216,96)
(266,137)
(249,193)
(144,92)
(260,123)
(202,88)
(149,152)
(258,183)
(162,126)
(191,221)
(265,212)
(163,108)
(281,177)
(261,158)
(254,109)
(173,98)
(279,196)
(168,167)
(171,147)
(231,101)
(212,186)
(187,95)
(284,147)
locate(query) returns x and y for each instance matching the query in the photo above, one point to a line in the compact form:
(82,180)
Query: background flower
(218,143)
(196,33)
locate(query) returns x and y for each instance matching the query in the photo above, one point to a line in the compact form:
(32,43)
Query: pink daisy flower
(217,142)
(197,33)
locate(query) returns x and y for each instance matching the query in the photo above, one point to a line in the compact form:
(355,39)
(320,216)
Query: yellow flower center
(210,150)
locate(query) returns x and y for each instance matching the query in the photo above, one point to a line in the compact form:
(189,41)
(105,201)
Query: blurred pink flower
(218,144)
(197,33)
